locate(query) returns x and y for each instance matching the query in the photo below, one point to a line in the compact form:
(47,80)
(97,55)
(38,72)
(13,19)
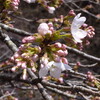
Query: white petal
(77,16)
(67,67)
(50,64)
(77,39)
(43,72)
(60,65)
(55,72)
(30,1)
(81,33)
(78,21)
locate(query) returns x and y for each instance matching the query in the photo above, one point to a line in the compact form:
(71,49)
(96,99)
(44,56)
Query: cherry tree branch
(9,43)
(40,86)
(86,66)
(72,87)
(63,93)
(85,55)
(15,30)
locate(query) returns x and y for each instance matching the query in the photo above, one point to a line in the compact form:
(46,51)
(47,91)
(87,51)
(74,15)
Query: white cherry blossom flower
(76,32)
(55,69)
(30,1)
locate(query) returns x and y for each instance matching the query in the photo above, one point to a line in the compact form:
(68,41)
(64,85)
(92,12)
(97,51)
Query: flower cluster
(44,52)
(15,4)
(26,57)
(46,4)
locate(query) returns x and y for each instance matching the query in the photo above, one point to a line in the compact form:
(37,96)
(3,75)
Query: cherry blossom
(55,69)
(76,32)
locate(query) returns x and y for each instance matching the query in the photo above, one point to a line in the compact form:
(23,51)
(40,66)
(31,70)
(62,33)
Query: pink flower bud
(15,4)
(60,53)
(64,60)
(19,63)
(78,63)
(60,80)
(65,52)
(24,65)
(39,49)
(58,45)
(16,55)
(50,24)
(12,58)
(28,39)
(51,29)
(55,19)
(84,25)
(64,47)
(33,69)
(87,42)
(51,10)
(35,57)
(71,13)
(43,28)
(57,59)
(14,68)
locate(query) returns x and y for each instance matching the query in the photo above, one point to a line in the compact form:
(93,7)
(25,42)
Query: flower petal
(80,34)
(77,33)
(78,21)
(60,65)
(55,72)
(43,72)
(67,67)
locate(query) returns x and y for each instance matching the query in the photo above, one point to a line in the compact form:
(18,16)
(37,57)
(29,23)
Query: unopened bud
(35,57)
(23,65)
(64,60)
(58,45)
(60,53)
(64,47)
(14,68)
(43,28)
(71,13)
(51,10)
(28,39)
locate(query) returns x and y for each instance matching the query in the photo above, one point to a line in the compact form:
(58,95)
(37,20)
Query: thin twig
(85,11)
(8,41)
(87,56)
(62,93)
(72,87)
(15,30)
(86,66)
(40,87)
